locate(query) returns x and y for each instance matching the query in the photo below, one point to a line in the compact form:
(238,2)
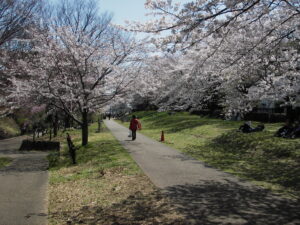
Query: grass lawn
(105,187)
(260,157)
(4,161)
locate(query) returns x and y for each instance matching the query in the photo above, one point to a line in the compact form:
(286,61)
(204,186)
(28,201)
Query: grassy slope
(104,187)
(267,160)
(8,128)
(4,161)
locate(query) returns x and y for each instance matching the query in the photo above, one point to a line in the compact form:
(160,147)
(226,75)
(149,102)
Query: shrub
(8,128)
(53,159)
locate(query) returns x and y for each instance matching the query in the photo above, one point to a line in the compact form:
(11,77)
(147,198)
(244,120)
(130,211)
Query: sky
(125,10)
(130,10)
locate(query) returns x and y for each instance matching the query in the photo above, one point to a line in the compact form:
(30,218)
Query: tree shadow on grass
(152,208)
(285,173)
(173,124)
(209,202)
(230,203)
(259,157)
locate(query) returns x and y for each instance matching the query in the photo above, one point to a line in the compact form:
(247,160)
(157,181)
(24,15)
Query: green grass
(8,128)
(104,175)
(260,157)
(4,161)
(102,152)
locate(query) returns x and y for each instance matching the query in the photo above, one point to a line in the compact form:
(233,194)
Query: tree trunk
(50,134)
(99,124)
(289,113)
(71,122)
(33,136)
(67,122)
(55,125)
(297,113)
(84,127)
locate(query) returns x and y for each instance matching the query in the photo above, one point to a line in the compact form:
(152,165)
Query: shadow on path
(23,161)
(27,163)
(230,203)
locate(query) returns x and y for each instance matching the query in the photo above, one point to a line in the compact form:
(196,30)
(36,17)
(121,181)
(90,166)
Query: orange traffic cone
(162,137)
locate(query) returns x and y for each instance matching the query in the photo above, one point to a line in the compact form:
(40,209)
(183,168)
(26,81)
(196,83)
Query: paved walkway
(23,186)
(203,194)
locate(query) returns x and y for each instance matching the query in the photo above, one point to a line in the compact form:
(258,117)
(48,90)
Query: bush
(8,128)
(53,159)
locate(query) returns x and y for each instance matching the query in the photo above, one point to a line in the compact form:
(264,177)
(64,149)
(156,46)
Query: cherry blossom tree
(197,20)
(235,53)
(16,16)
(80,64)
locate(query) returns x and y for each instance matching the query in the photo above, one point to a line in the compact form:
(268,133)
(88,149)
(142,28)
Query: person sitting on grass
(286,130)
(246,128)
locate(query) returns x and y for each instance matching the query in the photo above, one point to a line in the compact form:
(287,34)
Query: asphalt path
(204,194)
(23,185)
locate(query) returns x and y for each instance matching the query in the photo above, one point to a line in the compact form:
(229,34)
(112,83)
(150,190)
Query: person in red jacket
(134,125)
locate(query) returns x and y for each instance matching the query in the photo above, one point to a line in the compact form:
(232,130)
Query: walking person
(134,125)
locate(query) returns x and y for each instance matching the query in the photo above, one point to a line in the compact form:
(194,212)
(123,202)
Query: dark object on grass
(28,145)
(246,128)
(259,127)
(294,131)
(72,149)
(285,131)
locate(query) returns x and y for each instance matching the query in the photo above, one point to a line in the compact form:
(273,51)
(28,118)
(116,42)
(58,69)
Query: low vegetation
(4,161)
(105,186)
(260,157)
(8,128)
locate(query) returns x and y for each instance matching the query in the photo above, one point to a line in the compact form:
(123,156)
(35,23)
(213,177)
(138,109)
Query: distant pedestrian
(134,126)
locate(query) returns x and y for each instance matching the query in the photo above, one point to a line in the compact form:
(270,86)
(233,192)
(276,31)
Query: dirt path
(23,186)
(201,193)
